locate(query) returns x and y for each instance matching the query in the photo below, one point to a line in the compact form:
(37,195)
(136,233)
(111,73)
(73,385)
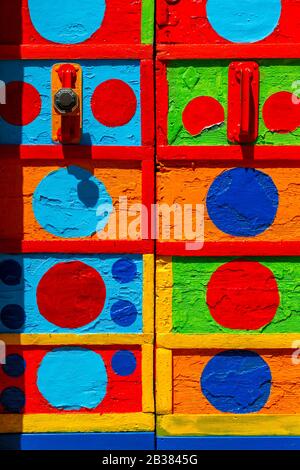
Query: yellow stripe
(86,339)
(233,425)
(147,379)
(148,294)
(164,284)
(236,341)
(116,422)
(164,379)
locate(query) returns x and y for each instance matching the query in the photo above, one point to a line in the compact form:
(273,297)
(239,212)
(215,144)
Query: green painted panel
(189,79)
(190,311)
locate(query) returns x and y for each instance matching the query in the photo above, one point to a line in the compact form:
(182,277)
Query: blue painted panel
(79,441)
(65,21)
(38,74)
(20,294)
(229,443)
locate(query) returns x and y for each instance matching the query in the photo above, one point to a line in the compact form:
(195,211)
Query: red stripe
(74,246)
(162,101)
(62,152)
(80,51)
(231,249)
(228,51)
(148,194)
(147,102)
(246,154)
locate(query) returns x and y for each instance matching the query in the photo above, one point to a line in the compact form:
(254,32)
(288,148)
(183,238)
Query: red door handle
(67,103)
(243,99)
(245,79)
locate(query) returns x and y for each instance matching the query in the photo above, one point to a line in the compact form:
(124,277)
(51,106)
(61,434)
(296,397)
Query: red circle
(202,113)
(242,295)
(114,103)
(71,294)
(23,104)
(281,112)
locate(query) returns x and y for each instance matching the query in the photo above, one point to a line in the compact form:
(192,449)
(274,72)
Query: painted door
(76,293)
(227,310)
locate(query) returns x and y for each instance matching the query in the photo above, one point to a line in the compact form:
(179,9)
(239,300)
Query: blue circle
(123,313)
(124,270)
(72,378)
(242,202)
(71,202)
(14,365)
(244,21)
(10,272)
(12,316)
(67,21)
(12,399)
(123,363)
(237,381)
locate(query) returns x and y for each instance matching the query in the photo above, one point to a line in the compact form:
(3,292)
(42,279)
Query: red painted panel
(124,393)
(185,22)
(121,24)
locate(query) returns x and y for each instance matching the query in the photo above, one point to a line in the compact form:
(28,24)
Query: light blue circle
(72,378)
(71,202)
(243,21)
(66,21)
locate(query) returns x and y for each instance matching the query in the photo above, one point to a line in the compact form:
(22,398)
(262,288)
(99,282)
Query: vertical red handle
(67,75)
(243,102)
(246,90)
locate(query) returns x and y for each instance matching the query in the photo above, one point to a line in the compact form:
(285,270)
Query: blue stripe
(229,443)
(78,441)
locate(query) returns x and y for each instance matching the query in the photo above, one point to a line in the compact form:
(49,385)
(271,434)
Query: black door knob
(66,100)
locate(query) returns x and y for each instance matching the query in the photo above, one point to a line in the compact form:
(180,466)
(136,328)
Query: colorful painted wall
(115,339)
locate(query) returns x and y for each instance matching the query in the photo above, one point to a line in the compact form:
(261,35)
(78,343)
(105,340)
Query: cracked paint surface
(20,182)
(35,267)
(189,184)
(188,367)
(191,278)
(189,79)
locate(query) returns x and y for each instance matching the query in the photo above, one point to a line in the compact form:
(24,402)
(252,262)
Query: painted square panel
(26,118)
(199,295)
(71,379)
(79,200)
(262,382)
(241,22)
(240,204)
(241,391)
(42,293)
(198,103)
(38,22)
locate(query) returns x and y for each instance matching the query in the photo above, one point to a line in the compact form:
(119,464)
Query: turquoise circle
(72,378)
(66,21)
(67,203)
(243,21)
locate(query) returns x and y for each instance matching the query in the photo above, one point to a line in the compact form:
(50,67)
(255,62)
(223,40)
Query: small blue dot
(124,270)
(14,365)
(12,399)
(10,272)
(242,202)
(123,313)
(123,363)
(13,316)
(237,381)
